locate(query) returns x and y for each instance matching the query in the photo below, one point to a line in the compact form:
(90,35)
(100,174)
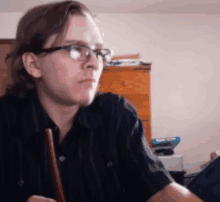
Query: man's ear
(31,64)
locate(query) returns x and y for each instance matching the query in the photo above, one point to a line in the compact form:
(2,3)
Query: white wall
(184,51)
(8,23)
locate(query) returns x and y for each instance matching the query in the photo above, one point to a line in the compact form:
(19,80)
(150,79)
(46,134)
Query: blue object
(167,142)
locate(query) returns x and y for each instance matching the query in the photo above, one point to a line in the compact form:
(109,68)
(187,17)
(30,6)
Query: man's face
(61,76)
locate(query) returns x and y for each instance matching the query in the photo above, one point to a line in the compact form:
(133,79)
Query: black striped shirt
(104,157)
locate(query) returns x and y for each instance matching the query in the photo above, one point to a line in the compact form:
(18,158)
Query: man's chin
(87,99)
(86,102)
(83,100)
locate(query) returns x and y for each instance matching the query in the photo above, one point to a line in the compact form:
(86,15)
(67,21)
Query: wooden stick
(60,197)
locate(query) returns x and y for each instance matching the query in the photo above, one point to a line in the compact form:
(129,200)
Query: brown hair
(33,30)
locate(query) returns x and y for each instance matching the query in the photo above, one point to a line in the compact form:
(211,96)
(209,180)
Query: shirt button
(20,182)
(109,164)
(62,158)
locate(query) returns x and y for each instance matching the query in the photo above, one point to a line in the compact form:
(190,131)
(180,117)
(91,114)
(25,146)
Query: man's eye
(74,54)
(77,48)
(99,53)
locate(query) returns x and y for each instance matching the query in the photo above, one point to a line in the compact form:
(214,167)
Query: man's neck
(62,115)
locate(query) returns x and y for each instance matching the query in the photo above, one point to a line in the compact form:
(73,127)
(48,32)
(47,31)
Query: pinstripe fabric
(101,159)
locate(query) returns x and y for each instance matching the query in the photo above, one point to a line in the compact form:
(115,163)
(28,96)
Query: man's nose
(92,62)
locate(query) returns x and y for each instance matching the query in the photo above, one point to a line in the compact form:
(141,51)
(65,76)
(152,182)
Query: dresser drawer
(125,82)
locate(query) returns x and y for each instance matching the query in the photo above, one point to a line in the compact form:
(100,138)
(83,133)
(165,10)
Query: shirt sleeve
(141,172)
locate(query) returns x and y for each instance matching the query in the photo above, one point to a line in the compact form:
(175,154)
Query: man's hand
(39,199)
(213,155)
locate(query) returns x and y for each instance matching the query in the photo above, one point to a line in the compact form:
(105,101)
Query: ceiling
(127,6)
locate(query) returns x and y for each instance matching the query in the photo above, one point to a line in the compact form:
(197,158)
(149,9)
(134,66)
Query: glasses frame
(69,47)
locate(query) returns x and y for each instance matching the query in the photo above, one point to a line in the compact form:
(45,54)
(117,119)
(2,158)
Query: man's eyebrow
(74,42)
(79,42)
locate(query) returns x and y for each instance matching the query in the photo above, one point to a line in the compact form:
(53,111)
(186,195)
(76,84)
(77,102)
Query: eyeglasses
(81,52)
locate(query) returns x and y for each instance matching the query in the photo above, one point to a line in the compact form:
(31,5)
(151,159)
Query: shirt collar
(38,120)
(87,117)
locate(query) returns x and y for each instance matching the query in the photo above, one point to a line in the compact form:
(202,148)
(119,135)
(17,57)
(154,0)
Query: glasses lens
(106,55)
(74,54)
(79,53)
(82,53)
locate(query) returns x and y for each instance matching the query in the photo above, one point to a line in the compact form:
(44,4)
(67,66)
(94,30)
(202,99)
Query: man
(99,140)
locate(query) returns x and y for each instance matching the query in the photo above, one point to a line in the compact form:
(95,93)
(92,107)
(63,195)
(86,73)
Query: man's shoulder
(117,103)
(7,101)
(10,105)
(108,98)
(11,100)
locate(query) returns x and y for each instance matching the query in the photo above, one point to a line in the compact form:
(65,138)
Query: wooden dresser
(132,82)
